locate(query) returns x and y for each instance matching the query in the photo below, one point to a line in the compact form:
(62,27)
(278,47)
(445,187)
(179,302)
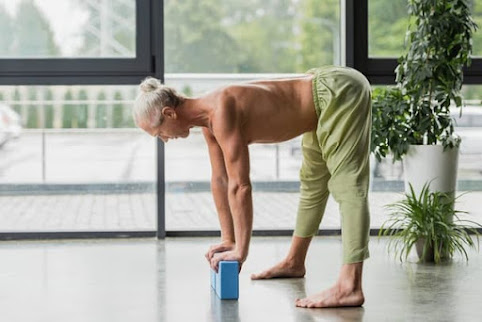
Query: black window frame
(149,61)
(150,43)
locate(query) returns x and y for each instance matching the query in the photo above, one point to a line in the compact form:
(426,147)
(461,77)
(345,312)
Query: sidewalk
(193,211)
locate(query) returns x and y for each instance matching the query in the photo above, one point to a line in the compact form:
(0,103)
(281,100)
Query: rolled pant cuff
(356,257)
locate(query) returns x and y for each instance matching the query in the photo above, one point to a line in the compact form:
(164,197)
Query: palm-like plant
(430,220)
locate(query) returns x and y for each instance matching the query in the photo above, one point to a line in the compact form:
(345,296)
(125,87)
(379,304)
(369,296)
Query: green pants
(336,158)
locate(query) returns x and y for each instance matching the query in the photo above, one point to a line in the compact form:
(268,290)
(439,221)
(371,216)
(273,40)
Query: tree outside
(49,109)
(32,110)
(68,111)
(7,30)
(82,110)
(118,111)
(101,111)
(33,36)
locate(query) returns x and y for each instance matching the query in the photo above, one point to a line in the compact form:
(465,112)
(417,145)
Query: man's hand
(231,255)
(224,246)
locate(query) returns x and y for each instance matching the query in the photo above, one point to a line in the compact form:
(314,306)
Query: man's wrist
(227,239)
(242,254)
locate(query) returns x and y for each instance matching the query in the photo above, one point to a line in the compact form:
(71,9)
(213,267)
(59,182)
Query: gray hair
(153,97)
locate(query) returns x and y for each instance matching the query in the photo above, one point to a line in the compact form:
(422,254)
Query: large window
(253,36)
(71,160)
(375,35)
(52,29)
(238,43)
(388,22)
(78,42)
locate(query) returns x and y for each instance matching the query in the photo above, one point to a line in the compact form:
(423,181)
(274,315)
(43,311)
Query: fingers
(214,262)
(215,249)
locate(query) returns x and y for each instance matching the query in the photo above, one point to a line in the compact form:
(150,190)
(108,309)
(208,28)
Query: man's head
(156,110)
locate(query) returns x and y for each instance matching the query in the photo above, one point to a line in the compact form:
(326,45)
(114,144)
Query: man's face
(171,127)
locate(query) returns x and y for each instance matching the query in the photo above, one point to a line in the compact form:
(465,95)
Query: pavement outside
(184,211)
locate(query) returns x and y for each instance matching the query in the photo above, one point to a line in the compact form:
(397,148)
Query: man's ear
(169,112)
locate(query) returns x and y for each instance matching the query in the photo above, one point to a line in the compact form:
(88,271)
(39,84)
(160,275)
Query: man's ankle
(294,262)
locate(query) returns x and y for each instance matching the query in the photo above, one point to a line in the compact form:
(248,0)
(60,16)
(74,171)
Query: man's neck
(196,112)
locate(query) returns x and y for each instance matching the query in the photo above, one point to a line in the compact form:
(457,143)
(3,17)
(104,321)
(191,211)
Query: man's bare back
(267,111)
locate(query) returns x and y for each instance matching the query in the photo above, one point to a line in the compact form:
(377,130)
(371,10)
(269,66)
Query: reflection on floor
(149,280)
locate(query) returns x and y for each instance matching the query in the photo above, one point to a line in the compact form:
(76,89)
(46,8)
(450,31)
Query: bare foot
(283,269)
(333,297)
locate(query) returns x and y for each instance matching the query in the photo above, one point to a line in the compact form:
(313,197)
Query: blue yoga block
(226,281)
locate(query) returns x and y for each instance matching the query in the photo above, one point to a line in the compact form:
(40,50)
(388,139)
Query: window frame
(93,71)
(150,62)
(381,71)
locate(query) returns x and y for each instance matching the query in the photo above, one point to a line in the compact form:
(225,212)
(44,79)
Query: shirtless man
(330,107)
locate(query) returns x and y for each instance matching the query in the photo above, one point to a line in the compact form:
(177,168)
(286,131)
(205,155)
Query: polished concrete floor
(148,280)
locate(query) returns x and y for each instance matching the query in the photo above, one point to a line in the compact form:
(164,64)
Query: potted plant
(429,222)
(412,119)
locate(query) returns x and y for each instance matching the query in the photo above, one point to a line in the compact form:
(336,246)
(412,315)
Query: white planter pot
(430,163)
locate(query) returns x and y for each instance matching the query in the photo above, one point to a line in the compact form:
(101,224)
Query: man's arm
(228,133)
(219,187)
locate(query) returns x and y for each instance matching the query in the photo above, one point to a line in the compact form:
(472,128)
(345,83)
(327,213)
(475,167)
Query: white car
(10,124)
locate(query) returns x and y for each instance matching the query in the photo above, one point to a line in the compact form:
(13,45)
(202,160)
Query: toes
(311,304)
(300,302)
(259,276)
(307,303)
(255,276)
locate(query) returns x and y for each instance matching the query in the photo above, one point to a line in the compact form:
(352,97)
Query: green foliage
(387,24)
(49,110)
(16,97)
(82,110)
(429,77)
(118,24)
(101,112)
(68,112)
(187,90)
(390,118)
(195,40)
(118,111)
(319,24)
(276,37)
(429,217)
(476,9)
(7,29)
(32,114)
(33,34)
